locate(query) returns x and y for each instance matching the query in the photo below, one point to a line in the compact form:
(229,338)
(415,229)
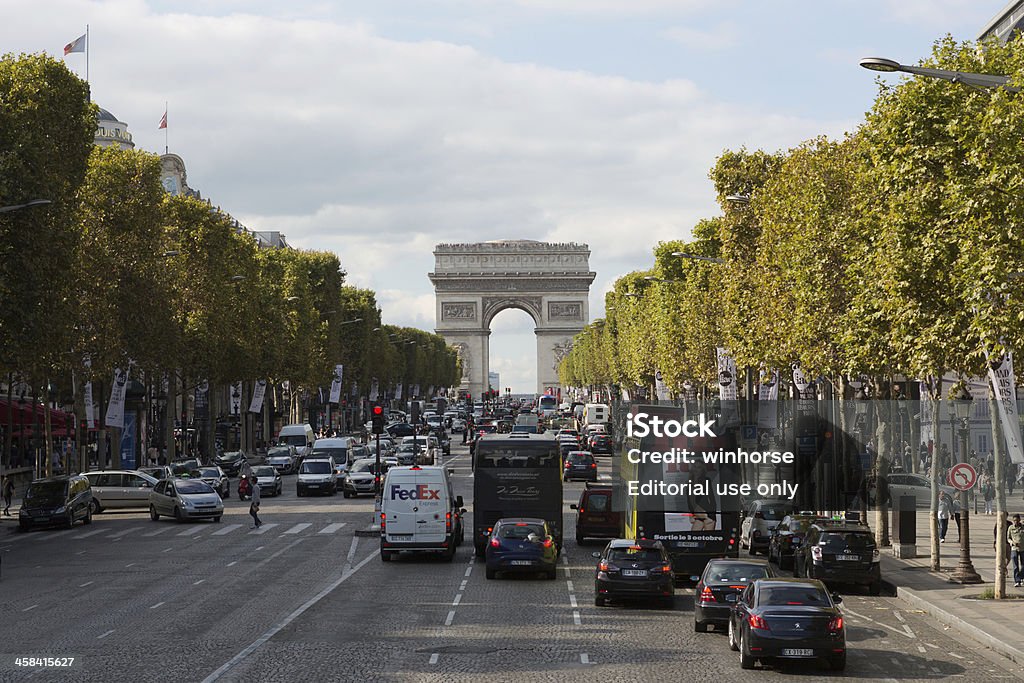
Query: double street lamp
(964,572)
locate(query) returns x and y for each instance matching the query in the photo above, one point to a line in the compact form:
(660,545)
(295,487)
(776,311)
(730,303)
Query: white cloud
(939,14)
(719,37)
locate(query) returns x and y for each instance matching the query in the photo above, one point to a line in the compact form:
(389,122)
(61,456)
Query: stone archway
(474,282)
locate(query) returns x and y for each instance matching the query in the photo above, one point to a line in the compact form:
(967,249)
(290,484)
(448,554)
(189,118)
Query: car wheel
(346,494)
(95,505)
(732,638)
(700,626)
(450,554)
(491,573)
(385,555)
(177,514)
(88,516)
(875,588)
(838,662)
(217,518)
(599,601)
(796,568)
(551,574)
(299,493)
(70,521)
(746,661)
(152,513)
(22,526)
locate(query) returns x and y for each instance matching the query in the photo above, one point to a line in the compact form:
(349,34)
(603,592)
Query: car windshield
(633,554)
(734,572)
(598,502)
(799,525)
(230,455)
(279,453)
(793,595)
(186,488)
(209,472)
(297,440)
(46,492)
(773,512)
(579,458)
(185,468)
(339,454)
(836,541)
(315,467)
(364,466)
(269,472)
(520,530)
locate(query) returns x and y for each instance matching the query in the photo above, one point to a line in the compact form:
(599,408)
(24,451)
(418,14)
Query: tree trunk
(999,472)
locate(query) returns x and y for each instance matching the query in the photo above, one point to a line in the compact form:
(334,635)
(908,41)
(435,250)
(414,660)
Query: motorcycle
(244,487)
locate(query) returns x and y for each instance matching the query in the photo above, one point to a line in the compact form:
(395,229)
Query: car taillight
(603,566)
(758,515)
(495,543)
(581,511)
(835,625)
(816,553)
(448,521)
(383,521)
(548,542)
(757,622)
(593,465)
(706,595)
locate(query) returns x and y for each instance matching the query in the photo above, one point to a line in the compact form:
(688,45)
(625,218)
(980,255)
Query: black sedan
(720,587)
(216,478)
(601,444)
(634,569)
(788,619)
(268,479)
(580,465)
(230,462)
(786,538)
(521,544)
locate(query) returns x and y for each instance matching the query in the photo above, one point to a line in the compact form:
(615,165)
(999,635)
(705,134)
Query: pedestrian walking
(988,492)
(957,508)
(7,489)
(254,506)
(943,514)
(1015,537)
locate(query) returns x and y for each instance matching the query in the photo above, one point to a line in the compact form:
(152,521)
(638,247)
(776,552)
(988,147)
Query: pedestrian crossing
(190,531)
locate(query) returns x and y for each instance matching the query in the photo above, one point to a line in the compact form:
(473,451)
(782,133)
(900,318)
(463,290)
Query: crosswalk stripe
(263,529)
(298,528)
(227,529)
(158,531)
(191,530)
(121,533)
(53,534)
(331,528)
(87,534)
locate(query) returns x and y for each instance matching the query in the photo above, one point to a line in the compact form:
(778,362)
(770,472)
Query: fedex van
(419,512)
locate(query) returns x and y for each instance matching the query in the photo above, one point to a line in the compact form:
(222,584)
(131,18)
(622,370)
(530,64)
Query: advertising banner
(128,443)
(1004,384)
(660,387)
(115,406)
(202,404)
(258,392)
(336,383)
(727,388)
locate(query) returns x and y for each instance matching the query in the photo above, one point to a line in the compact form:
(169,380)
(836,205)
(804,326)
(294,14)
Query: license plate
(797,652)
(845,558)
(731,597)
(521,563)
(313,486)
(634,572)
(400,537)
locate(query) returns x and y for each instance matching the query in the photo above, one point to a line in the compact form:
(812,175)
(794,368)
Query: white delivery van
(596,413)
(419,512)
(300,435)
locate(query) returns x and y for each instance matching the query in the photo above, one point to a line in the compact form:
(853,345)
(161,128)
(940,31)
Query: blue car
(521,544)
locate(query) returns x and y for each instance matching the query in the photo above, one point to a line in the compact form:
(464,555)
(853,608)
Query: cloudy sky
(379,128)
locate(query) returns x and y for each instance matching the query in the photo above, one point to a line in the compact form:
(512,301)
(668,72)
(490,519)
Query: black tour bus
(516,475)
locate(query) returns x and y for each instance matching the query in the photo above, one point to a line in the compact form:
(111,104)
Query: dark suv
(839,553)
(634,569)
(595,518)
(580,465)
(56,501)
(601,444)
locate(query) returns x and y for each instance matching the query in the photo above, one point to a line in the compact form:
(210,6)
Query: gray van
(120,489)
(56,501)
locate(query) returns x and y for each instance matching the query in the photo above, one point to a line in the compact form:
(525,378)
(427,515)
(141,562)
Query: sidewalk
(993,623)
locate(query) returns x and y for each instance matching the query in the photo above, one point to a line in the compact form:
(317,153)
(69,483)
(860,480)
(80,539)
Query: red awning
(22,414)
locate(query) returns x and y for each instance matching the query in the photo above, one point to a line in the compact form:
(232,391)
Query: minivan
(299,435)
(420,513)
(56,501)
(120,489)
(316,475)
(338,449)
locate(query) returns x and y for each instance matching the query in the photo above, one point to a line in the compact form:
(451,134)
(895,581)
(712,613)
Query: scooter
(244,487)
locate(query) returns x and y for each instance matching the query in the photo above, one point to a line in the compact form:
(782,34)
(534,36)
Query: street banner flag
(339,371)
(374,390)
(163,121)
(258,392)
(76,45)
(660,386)
(115,406)
(727,387)
(768,400)
(1004,384)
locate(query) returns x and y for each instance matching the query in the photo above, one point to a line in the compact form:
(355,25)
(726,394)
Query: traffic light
(378,419)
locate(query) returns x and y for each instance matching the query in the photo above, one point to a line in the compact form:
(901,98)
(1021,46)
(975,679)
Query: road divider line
(246,652)
(87,583)
(569,583)
(433,658)
(576,618)
(462,586)
(331,528)
(457,600)
(298,528)
(469,570)
(156,605)
(226,530)
(450,619)
(104,635)
(572,600)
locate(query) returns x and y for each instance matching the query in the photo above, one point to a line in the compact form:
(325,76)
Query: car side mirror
(462,511)
(451,470)
(596,555)
(574,506)
(458,501)
(837,598)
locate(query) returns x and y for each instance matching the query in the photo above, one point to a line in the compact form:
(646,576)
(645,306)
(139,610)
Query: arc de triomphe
(475,282)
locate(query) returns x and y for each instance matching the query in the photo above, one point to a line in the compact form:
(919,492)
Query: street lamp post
(28,204)
(980,81)
(964,572)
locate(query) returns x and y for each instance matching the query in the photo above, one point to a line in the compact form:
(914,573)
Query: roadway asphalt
(304,598)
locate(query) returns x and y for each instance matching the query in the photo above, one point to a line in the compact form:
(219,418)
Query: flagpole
(165,129)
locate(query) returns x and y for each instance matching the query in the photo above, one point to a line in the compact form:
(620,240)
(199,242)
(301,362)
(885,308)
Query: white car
(185,499)
(916,485)
(758,519)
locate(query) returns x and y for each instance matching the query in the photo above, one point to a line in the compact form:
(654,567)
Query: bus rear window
(522,456)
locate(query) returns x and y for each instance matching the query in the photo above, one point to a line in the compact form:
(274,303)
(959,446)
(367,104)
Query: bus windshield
(533,456)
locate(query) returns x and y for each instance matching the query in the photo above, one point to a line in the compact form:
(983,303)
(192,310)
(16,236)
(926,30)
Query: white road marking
(433,658)
(87,583)
(31,607)
(331,528)
(457,600)
(584,658)
(196,583)
(158,531)
(130,564)
(232,563)
(922,649)
(80,552)
(932,645)
(576,618)
(298,528)
(450,619)
(905,631)
(260,547)
(87,534)
(351,553)
(191,530)
(572,600)
(104,635)
(462,586)
(569,584)
(156,605)
(52,534)
(899,616)
(263,528)
(469,570)
(121,533)
(245,653)
(951,653)
(228,528)
(167,550)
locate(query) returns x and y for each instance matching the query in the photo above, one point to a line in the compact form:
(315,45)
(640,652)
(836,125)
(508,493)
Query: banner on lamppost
(659,385)
(727,388)
(202,400)
(258,392)
(799,379)
(90,415)
(336,383)
(115,406)
(398,390)
(236,398)
(1004,384)
(415,390)
(374,390)
(768,400)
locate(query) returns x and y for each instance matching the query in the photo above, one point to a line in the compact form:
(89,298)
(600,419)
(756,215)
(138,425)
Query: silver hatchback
(185,499)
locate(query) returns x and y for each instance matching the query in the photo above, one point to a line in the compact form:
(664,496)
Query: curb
(987,639)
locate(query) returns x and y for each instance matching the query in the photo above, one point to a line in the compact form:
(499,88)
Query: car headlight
(60,511)
(187,503)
